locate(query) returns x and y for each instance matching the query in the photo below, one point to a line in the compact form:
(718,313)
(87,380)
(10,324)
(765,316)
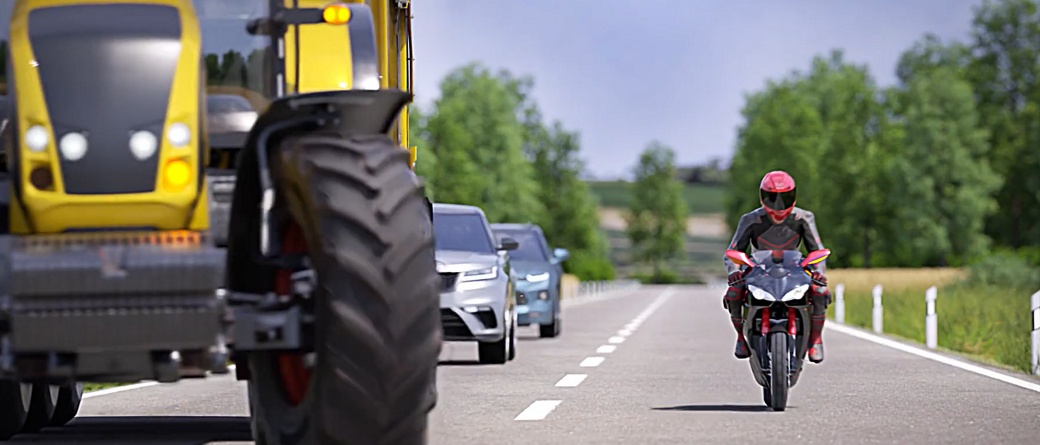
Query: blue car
(539,272)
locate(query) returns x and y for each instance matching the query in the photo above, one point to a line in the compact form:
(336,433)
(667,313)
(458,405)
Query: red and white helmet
(777,194)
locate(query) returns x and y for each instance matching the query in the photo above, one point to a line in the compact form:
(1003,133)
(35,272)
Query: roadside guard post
(839,303)
(931,324)
(1036,333)
(878,312)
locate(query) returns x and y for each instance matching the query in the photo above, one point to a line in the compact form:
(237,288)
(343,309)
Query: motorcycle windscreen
(107,71)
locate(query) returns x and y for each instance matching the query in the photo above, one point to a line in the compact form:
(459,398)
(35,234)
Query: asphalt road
(649,366)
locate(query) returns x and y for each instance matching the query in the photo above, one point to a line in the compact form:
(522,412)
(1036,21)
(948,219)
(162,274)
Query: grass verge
(88,387)
(985,322)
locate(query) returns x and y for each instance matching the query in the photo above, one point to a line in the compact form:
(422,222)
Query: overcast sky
(625,72)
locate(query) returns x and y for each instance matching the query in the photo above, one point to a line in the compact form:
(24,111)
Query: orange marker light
(336,14)
(176,175)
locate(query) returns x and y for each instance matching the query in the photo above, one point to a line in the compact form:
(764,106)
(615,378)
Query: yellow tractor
(108,273)
(327,292)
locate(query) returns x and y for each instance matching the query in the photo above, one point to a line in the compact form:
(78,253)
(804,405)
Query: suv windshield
(531,245)
(461,231)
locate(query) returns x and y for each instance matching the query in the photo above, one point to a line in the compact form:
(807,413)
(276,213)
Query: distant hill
(700,198)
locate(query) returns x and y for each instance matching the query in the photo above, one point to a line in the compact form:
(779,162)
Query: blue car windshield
(531,245)
(461,231)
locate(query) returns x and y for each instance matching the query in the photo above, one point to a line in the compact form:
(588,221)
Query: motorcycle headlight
(481,274)
(796,293)
(760,294)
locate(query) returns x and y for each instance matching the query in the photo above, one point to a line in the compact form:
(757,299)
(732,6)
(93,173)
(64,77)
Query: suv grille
(448,281)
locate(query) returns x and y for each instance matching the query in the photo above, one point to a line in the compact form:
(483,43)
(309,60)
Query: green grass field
(700,199)
(989,324)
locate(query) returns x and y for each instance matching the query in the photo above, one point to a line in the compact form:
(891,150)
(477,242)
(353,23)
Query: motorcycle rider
(777,225)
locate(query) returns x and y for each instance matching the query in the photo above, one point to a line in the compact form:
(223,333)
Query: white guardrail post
(931,323)
(839,303)
(1035,306)
(878,312)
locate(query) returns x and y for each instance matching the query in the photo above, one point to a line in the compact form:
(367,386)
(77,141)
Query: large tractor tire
(15,399)
(41,408)
(359,214)
(70,396)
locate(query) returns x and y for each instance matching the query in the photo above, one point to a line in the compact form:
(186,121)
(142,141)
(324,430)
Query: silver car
(477,301)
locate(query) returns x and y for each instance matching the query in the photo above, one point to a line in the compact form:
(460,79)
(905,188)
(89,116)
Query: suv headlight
(480,274)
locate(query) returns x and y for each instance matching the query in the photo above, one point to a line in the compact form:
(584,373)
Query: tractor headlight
(179,135)
(36,138)
(760,294)
(480,275)
(73,146)
(143,144)
(796,293)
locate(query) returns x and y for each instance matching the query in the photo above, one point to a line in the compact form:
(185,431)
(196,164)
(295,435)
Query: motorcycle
(777,317)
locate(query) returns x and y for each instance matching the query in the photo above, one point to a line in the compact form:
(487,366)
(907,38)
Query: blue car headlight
(537,278)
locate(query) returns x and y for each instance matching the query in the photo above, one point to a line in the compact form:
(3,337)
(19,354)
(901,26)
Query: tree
(1004,75)
(571,218)
(944,179)
(657,214)
(478,142)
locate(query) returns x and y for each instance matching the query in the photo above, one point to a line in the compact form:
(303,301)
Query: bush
(589,267)
(1004,269)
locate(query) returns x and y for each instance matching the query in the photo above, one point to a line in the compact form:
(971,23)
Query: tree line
(940,169)
(485,142)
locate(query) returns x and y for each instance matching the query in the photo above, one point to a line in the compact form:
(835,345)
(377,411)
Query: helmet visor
(778,200)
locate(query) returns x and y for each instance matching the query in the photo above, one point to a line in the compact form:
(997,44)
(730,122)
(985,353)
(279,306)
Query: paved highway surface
(652,366)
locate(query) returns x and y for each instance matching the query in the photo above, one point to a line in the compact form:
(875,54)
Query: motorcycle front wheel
(780,370)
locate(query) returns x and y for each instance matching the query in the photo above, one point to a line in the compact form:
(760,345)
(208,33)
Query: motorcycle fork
(792,325)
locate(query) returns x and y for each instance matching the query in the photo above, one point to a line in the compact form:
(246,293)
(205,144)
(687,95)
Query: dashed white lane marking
(591,362)
(934,357)
(624,332)
(571,380)
(538,410)
(606,349)
(616,340)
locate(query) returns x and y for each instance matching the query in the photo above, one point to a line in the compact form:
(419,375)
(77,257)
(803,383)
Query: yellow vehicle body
(325,59)
(176,198)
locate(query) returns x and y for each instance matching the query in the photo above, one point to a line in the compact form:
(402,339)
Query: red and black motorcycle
(777,317)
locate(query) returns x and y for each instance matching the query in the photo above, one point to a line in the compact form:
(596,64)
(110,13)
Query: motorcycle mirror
(815,257)
(739,257)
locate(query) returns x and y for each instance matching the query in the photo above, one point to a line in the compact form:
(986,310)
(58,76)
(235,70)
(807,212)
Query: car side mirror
(560,255)
(508,244)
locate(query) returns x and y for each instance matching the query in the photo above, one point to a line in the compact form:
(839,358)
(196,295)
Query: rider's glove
(818,278)
(735,278)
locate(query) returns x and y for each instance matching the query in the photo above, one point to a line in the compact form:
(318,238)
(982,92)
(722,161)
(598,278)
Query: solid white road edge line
(538,410)
(934,357)
(591,362)
(606,349)
(571,380)
(118,389)
(107,391)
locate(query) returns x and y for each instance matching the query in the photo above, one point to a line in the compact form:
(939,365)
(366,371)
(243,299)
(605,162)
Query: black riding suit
(758,231)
